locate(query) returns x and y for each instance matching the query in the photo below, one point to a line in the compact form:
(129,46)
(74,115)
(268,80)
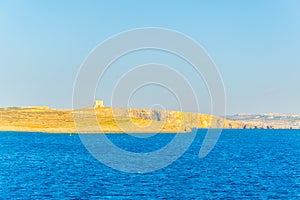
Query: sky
(255,45)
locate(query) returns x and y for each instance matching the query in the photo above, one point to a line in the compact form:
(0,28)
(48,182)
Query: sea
(244,164)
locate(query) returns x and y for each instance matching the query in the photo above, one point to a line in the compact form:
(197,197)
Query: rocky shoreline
(113,120)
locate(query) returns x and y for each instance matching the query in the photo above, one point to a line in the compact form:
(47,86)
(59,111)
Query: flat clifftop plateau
(111,120)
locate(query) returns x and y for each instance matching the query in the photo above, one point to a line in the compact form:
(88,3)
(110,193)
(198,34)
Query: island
(101,119)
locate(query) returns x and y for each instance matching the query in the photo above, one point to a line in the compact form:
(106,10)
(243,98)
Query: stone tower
(98,104)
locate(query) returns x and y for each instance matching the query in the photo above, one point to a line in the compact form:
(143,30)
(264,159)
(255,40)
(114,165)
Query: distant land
(130,120)
(268,121)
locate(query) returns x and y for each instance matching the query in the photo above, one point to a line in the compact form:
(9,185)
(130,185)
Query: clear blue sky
(255,44)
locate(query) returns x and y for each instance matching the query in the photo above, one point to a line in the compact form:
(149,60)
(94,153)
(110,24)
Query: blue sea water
(245,164)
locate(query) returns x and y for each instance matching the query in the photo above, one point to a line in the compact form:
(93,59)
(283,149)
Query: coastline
(112,120)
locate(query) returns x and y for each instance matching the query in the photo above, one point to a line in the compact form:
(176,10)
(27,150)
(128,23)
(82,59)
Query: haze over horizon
(255,45)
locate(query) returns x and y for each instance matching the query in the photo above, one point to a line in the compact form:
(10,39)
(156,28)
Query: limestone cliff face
(43,119)
(178,120)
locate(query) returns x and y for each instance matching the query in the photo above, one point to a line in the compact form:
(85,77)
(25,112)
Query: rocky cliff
(106,119)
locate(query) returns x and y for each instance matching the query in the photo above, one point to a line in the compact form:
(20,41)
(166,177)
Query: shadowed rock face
(44,119)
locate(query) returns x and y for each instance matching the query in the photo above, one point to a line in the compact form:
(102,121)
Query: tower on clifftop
(98,104)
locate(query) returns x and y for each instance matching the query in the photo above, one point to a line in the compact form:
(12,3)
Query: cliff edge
(111,120)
